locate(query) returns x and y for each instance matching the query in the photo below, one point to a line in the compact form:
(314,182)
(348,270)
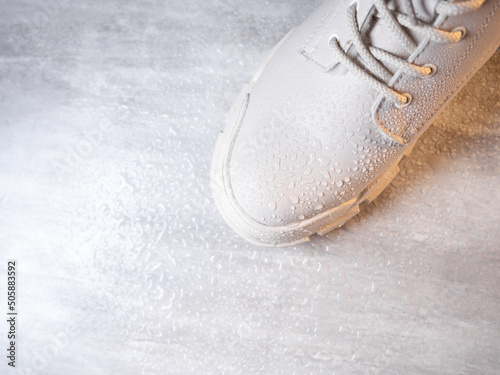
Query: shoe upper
(311,135)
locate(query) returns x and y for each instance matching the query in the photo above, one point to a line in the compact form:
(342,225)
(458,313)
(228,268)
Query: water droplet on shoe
(294,199)
(273,205)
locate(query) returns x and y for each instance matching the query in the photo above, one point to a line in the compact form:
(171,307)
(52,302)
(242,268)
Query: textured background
(109,112)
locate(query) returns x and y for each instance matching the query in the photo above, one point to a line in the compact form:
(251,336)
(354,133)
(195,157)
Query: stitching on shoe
(311,34)
(309,55)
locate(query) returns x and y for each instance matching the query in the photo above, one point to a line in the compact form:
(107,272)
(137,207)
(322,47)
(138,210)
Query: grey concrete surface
(109,112)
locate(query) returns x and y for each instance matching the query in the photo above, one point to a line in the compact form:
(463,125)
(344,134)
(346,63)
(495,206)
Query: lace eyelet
(355,3)
(433,69)
(407,103)
(333,39)
(462,30)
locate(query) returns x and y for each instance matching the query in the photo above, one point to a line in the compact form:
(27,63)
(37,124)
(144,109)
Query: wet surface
(108,118)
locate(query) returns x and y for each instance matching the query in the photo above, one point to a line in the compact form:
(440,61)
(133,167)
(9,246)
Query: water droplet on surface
(324,161)
(317,144)
(273,205)
(318,207)
(340,183)
(302,217)
(294,199)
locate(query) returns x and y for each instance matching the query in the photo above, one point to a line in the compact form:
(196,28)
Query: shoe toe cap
(284,167)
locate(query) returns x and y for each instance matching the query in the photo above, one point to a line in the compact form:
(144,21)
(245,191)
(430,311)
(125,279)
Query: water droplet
(291,185)
(326,174)
(318,207)
(321,194)
(317,144)
(273,205)
(324,161)
(294,199)
(311,159)
(302,217)
(340,183)
(271,178)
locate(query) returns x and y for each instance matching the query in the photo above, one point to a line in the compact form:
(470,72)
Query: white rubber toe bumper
(293,233)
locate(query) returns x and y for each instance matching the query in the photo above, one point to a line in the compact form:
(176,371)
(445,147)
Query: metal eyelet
(433,69)
(462,30)
(407,103)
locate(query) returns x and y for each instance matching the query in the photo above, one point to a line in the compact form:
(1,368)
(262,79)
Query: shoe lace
(374,57)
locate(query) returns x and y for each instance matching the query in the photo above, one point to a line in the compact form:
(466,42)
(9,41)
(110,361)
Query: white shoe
(325,121)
